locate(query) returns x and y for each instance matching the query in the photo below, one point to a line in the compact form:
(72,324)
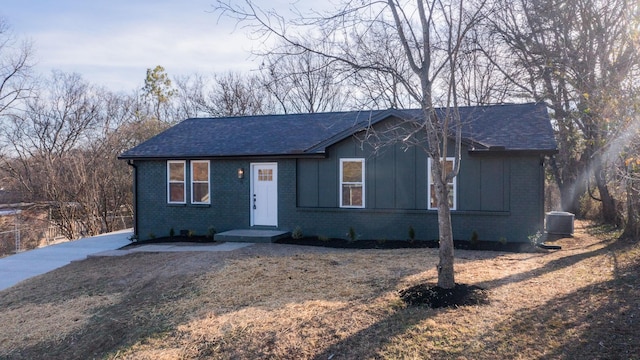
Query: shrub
(297,233)
(474,238)
(172,233)
(412,233)
(211,231)
(351,235)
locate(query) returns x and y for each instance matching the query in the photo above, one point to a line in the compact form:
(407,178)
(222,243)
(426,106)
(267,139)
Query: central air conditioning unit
(559,223)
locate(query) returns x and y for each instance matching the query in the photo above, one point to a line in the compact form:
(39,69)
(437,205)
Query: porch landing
(252,235)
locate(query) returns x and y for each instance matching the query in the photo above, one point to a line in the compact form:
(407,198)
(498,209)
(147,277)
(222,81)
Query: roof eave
(315,155)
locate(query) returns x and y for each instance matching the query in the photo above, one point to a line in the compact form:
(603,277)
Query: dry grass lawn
(288,302)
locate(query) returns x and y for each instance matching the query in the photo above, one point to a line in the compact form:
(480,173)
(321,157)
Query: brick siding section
(230,207)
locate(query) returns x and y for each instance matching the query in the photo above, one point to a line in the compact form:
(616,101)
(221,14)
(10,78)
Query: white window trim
(184,182)
(340,183)
(208,182)
(430,182)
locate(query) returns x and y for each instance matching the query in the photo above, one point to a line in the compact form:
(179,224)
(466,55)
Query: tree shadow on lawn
(600,321)
(366,343)
(557,264)
(143,309)
(117,326)
(131,318)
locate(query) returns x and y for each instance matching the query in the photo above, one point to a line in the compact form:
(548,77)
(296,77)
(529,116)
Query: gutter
(135,198)
(293,155)
(494,150)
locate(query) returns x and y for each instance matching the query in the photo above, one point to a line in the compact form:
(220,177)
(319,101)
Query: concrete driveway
(21,266)
(18,267)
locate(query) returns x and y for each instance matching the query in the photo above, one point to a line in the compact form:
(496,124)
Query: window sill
(189,205)
(200,205)
(177,204)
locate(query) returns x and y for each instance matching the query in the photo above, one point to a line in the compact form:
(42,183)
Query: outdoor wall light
(240,173)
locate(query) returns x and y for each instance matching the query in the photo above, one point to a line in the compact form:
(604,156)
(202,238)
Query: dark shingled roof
(516,127)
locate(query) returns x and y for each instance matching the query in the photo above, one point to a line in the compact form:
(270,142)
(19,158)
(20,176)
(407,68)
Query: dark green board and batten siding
(397,179)
(396,196)
(498,196)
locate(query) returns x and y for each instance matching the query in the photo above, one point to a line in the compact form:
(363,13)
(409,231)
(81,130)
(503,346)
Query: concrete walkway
(174,247)
(18,267)
(24,265)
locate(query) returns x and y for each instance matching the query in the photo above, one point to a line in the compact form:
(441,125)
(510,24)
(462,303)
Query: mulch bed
(407,244)
(436,297)
(361,244)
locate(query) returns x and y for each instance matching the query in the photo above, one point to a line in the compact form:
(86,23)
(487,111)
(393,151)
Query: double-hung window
(352,183)
(200,188)
(176,175)
(451,185)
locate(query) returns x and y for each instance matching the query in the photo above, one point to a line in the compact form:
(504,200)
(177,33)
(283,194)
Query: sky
(113,42)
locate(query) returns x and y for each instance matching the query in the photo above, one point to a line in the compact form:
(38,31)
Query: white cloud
(113,42)
(113,46)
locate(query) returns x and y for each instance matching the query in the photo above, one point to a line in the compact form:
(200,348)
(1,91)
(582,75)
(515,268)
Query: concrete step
(251,235)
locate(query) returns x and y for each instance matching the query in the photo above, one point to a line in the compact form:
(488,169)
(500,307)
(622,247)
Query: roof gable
(513,127)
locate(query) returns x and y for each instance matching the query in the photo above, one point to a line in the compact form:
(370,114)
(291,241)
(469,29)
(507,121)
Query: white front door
(264,194)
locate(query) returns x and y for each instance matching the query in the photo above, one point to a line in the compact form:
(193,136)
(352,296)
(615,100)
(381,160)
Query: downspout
(135,198)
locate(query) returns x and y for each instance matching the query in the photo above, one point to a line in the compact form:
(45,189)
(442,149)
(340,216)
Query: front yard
(292,302)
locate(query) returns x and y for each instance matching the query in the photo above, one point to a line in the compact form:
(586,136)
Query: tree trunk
(446,278)
(609,213)
(632,226)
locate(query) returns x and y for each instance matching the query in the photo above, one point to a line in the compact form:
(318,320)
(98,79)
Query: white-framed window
(448,168)
(200,185)
(176,175)
(352,183)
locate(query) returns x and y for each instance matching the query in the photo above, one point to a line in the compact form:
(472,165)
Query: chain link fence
(23,237)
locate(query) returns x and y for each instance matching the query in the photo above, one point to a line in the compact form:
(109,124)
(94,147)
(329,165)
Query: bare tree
(623,152)
(480,81)
(228,94)
(15,68)
(304,82)
(234,94)
(574,55)
(190,99)
(375,89)
(430,35)
(64,146)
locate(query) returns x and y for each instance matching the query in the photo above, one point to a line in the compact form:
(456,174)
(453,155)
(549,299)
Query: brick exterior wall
(230,206)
